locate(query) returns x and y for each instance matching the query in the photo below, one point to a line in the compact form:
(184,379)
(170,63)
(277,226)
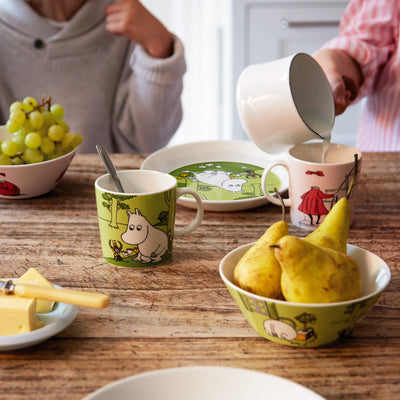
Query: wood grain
(181,314)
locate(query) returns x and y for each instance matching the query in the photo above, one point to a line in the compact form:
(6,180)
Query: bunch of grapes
(38,133)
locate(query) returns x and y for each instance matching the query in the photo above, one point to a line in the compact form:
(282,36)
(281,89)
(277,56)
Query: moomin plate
(226,174)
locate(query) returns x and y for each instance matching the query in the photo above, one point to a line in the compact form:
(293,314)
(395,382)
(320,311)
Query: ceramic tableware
(137,227)
(315,186)
(285,102)
(31,180)
(225,173)
(305,324)
(54,322)
(204,383)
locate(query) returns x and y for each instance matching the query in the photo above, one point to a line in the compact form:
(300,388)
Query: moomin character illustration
(152,242)
(221,179)
(280,330)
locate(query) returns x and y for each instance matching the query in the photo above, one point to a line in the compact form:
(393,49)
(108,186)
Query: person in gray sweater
(116,69)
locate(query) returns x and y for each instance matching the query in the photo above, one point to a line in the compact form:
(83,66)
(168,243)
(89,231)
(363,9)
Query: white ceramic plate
(54,322)
(203,383)
(225,173)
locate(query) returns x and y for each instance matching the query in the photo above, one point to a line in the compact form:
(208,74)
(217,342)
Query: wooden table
(181,314)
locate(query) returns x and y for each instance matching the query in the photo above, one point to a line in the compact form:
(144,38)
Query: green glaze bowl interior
(306,324)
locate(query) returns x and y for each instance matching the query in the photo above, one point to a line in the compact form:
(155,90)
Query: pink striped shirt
(369,32)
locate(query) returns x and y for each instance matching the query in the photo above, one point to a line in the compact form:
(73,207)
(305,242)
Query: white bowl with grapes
(36,148)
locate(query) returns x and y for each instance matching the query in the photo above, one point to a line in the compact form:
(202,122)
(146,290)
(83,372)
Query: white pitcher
(285,102)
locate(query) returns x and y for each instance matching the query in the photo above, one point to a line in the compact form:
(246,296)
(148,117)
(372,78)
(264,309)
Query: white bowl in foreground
(203,383)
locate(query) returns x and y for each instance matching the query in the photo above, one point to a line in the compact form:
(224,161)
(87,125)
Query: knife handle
(69,296)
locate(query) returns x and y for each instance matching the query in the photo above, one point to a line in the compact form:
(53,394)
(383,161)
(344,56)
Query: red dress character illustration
(313,204)
(8,188)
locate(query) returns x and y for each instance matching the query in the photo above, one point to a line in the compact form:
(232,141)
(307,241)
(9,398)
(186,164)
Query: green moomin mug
(315,186)
(137,227)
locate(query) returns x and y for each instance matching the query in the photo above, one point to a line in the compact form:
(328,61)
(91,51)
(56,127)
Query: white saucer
(54,322)
(200,383)
(241,156)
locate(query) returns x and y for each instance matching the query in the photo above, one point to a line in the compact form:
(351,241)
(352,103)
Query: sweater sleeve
(367,33)
(148,109)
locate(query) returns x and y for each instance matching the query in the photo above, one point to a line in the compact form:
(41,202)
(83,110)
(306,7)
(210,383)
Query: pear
(258,271)
(334,229)
(315,274)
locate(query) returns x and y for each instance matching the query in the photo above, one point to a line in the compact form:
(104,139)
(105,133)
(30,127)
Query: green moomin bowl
(305,324)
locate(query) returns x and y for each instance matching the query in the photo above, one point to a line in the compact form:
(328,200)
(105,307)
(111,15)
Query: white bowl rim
(385,267)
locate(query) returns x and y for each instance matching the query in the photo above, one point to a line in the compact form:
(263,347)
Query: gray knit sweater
(113,93)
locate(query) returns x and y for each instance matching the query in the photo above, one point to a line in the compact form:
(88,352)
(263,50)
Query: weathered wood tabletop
(181,314)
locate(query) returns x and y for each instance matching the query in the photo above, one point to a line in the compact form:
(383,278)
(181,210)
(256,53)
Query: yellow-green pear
(315,274)
(258,271)
(334,229)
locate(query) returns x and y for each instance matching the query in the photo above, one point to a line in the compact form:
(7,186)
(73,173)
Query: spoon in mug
(109,167)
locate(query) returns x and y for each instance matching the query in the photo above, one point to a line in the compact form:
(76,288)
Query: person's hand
(343,74)
(131,19)
(344,91)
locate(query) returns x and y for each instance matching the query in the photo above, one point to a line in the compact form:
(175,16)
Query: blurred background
(222,37)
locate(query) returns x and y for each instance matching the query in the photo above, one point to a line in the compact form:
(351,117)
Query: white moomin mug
(314,186)
(285,102)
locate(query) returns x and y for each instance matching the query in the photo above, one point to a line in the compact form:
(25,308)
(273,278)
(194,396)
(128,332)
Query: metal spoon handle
(110,167)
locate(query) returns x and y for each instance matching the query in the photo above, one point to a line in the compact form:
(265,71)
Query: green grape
(57,111)
(47,146)
(29,103)
(22,131)
(70,141)
(9,148)
(59,149)
(77,140)
(42,131)
(5,160)
(27,126)
(12,127)
(33,140)
(64,125)
(17,117)
(36,119)
(31,156)
(66,141)
(17,105)
(49,118)
(55,133)
(39,133)
(19,139)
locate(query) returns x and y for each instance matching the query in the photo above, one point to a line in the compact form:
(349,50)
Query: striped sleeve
(367,32)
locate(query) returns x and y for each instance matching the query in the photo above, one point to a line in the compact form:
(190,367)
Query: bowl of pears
(36,148)
(305,292)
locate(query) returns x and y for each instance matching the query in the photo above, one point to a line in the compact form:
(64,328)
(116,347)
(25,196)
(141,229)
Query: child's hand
(131,19)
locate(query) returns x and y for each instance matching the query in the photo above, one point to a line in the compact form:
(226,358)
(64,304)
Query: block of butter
(17,315)
(34,277)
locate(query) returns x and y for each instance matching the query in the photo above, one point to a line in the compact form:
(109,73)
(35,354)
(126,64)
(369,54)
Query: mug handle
(200,211)
(270,197)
